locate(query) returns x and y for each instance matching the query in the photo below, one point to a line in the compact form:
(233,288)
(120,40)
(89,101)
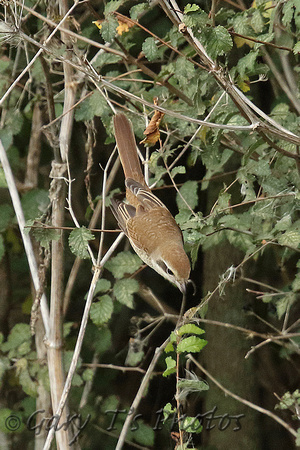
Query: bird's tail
(127,148)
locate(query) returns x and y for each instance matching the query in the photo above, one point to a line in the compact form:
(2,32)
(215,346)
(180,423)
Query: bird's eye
(169,272)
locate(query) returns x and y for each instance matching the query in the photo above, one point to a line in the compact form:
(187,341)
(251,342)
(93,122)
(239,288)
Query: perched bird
(148,224)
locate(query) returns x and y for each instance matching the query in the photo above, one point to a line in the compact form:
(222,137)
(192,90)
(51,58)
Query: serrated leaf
(35,203)
(137,10)
(189,193)
(296,48)
(284,223)
(95,105)
(102,285)
(171,366)
(112,6)
(124,290)
(78,242)
(191,344)
(19,334)
(45,235)
(177,169)
(247,63)
(197,19)
(190,328)
(284,303)
(102,310)
(217,41)
(257,22)
(191,8)
(290,238)
(150,49)
(108,29)
(104,59)
(124,262)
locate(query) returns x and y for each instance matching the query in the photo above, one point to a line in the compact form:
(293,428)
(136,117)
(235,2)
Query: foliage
(237,186)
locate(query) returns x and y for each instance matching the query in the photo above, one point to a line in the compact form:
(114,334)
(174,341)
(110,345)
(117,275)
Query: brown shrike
(148,224)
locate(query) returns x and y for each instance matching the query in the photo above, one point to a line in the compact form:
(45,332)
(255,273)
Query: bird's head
(174,265)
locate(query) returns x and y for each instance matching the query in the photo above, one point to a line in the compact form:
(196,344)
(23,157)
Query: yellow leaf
(239,42)
(202,134)
(122,28)
(243,86)
(267,8)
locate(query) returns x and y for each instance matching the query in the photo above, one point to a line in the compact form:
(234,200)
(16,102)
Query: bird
(150,227)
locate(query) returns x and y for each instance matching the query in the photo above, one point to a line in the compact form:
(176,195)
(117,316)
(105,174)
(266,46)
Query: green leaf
(171,366)
(298,438)
(105,58)
(257,21)
(189,193)
(144,434)
(11,421)
(102,285)
(196,19)
(247,63)
(124,290)
(290,238)
(191,8)
(102,310)
(217,41)
(95,105)
(78,242)
(124,262)
(6,215)
(45,235)
(137,10)
(2,247)
(191,425)
(284,303)
(19,334)
(108,29)
(150,49)
(168,410)
(191,344)
(284,223)
(88,375)
(169,347)
(177,169)
(35,203)
(296,48)
(28,385)
(112,6)
(194,385)
(190,328)
(103,340)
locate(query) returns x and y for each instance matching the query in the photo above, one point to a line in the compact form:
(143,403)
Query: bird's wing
(122,213)
(144,195)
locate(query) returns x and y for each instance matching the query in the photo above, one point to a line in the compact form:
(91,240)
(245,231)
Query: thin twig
(139,395)
(242,400)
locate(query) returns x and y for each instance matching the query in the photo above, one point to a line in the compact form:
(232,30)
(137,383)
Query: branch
(25,237)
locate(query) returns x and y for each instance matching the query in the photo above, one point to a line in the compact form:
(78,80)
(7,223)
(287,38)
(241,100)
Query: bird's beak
(182,287)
